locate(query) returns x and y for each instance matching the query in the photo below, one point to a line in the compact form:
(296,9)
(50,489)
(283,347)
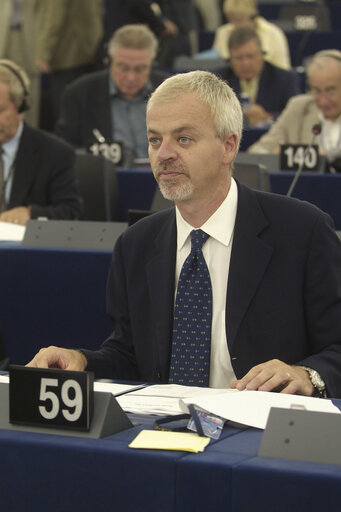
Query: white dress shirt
(217,253)
(330,138)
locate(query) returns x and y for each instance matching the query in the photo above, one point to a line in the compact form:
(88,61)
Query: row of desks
(48,472)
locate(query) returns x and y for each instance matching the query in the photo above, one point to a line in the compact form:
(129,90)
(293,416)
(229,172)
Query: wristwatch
(317,382)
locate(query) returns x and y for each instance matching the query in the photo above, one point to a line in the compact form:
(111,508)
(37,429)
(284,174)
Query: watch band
(317,382)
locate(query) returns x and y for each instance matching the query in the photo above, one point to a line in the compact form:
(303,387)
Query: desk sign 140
(50,397)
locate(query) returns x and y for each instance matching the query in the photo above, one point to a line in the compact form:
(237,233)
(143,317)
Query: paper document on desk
(161,399)
(252,408)
(11,232)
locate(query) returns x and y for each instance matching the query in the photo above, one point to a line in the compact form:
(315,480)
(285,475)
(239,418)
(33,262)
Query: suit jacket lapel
(160,277)
(249,259)
(102,116)
(25,166)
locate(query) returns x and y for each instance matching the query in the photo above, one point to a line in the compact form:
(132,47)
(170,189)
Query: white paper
(115,389)
(161,399)
(11,232)
(252,407)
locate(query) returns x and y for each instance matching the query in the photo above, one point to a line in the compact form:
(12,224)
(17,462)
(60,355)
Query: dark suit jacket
(119,13)
(283,293)
(44,176)
(276,86)
(86,105)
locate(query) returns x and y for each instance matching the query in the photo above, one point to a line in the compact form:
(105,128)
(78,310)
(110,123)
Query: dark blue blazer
(283,292)
(276,86)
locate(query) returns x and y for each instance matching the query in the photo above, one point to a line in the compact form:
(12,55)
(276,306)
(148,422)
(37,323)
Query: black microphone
(316,130)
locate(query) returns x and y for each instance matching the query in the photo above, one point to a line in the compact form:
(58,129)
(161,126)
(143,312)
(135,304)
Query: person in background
(36,169)
(231,288)
(267,87)
(322,105)
(69,35)
(182,13)
(210,14)
(245,13)
(113,101)
(127,12)
(19,26)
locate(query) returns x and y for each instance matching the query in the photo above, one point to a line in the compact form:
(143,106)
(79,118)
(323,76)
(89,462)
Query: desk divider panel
(302,435)
(66,234)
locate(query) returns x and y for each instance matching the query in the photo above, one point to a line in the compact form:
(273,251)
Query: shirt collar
(10,147)
(219,226)
(323,120)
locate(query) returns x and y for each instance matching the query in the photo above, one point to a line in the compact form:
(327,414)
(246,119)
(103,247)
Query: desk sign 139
(50,397)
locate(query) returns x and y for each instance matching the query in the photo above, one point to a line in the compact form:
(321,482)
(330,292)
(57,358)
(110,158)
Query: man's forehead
(132,55)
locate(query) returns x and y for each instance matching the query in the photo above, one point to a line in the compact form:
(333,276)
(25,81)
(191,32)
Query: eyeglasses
(137,70)
(330,92)
(247,56)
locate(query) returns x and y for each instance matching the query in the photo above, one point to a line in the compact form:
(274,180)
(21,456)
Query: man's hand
(55,357)
(170,28)
(275,375)
(18,215)
(43,66)
(256,115)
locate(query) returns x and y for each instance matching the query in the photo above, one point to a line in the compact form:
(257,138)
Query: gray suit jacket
(293,126)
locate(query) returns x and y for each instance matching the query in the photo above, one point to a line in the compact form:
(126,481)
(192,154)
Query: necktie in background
(2,180)
(191,345)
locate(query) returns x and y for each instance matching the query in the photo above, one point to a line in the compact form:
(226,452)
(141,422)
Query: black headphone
(24,104)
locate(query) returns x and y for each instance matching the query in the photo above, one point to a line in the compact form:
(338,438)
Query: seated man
(268,87)
(113,101)
(245,13)
(231,288)
(322,105)
(36,169)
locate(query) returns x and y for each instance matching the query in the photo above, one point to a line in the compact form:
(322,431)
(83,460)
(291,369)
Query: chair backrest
(158,203)
(98,186)
(253,175)
(185,63)
(270,161)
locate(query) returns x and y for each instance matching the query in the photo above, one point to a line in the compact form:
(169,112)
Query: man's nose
(166,151)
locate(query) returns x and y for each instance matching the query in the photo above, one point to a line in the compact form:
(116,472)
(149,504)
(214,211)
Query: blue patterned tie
(190,361)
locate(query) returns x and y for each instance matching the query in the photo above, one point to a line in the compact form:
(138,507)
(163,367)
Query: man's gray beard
(174,192)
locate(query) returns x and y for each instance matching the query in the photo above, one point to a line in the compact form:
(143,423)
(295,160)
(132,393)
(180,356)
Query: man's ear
(230,148)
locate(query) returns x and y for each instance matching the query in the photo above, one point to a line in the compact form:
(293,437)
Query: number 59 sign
(56,398)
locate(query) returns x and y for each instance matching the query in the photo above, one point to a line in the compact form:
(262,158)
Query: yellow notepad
(161,440)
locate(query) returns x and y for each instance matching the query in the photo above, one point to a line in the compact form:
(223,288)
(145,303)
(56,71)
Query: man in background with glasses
(267,87)
(111,104)
(321,105)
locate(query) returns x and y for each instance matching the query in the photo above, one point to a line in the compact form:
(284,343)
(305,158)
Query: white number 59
(47,395)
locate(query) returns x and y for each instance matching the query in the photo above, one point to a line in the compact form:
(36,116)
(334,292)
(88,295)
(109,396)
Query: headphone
(24,104)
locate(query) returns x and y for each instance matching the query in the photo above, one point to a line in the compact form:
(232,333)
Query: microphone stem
(300,169)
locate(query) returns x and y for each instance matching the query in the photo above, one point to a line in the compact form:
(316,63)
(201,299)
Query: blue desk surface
(51,296)
(137,187)
(43,472)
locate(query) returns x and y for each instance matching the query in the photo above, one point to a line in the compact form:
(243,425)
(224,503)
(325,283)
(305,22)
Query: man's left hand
(18,215)
(275,375)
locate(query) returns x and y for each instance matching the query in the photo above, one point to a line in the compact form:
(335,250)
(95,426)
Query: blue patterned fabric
(190,360)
